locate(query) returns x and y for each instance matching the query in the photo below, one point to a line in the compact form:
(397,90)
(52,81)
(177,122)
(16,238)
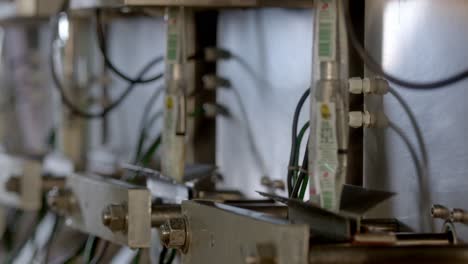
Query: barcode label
(328,200)
(172,48)
(325,40)
(326,30)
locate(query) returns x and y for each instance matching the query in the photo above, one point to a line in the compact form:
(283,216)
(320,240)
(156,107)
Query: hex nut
(13,185)
(459,216)
(173,233)
(440,212)
(115,217)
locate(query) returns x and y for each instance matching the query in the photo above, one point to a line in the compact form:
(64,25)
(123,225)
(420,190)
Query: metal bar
(271,209)
(220,233)
(161,213)
(390,255)
(115,211)
(88,4)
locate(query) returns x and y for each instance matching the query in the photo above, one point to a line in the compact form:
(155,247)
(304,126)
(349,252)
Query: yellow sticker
(325,111)
(169,102)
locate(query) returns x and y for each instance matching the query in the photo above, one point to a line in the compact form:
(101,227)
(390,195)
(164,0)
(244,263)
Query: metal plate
(225,234)
(324,225)
(420,40)
(85,4)
(93,194)
(387,255)
(29,196)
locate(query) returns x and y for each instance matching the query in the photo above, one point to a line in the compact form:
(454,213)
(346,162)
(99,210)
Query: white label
(327,155)
(326,30)
(173,40)
(173,145)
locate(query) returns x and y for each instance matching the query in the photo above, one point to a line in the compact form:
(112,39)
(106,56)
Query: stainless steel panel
(420,40)
(224,234)
(271,69)
(94,194)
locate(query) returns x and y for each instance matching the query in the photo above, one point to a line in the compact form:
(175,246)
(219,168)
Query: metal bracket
(93,195)
(219,233)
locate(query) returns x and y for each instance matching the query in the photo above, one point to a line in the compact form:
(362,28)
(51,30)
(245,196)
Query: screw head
(173,233)
(114,217)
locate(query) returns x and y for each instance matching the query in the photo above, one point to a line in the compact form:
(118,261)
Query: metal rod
(384,255)
(272,209)
(161,213)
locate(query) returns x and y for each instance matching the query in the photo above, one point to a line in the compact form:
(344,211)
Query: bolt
(173,233)
(211,82)
(212,54)
(440,212)
(61,201)
(459,216)
(211,110)
(114,217)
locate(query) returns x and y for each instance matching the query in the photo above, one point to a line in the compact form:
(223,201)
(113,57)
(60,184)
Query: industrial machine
(85,178)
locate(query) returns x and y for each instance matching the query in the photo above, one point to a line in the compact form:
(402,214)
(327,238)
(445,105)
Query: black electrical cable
(58,84)
(411,148)
(377,68)
(292,156)
(163,256)
(98,257)
(145,123)
(88,115)
(111,66)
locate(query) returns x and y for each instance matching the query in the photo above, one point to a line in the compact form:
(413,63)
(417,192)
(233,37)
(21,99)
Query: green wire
(303,187)
(148,155)
(299,138)
(136,259)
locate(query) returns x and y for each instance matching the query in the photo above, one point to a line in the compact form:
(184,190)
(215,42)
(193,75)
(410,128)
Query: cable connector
(213,54)
(375,85)
(459,216)
(366,119)
(359,119)
(212,81)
